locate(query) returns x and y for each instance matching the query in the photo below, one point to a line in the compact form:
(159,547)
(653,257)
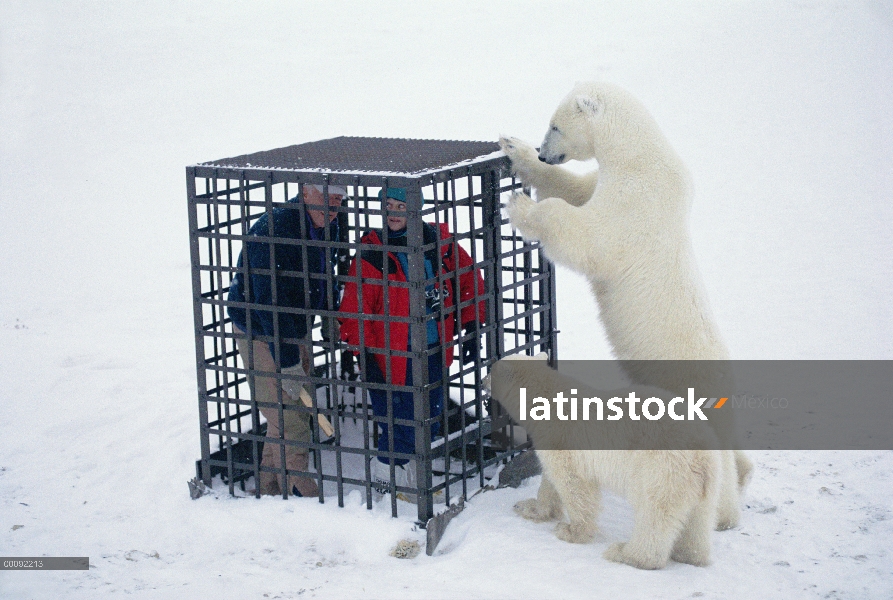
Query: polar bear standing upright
(625,227)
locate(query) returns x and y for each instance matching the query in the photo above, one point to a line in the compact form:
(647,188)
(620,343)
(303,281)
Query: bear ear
(589,106)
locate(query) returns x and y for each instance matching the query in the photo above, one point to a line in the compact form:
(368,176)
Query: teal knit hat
(398,194)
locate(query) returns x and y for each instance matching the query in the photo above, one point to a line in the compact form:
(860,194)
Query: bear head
(596,120)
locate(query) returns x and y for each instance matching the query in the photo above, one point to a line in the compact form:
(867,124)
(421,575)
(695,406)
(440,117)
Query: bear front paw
(507,143)
(523,156)
(514,147)
(518,211)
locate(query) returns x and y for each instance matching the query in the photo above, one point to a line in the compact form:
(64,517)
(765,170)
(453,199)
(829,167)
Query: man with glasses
(319,220)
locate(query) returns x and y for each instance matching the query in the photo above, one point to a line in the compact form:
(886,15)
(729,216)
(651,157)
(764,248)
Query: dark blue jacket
(290,290)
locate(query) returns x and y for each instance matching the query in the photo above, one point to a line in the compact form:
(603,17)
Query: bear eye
(554,128)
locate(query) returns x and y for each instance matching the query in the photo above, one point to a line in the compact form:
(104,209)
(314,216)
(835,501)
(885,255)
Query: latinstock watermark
(748,401)
(756,405)
(652,408)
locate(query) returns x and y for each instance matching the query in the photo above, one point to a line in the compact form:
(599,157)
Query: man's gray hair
(336,190)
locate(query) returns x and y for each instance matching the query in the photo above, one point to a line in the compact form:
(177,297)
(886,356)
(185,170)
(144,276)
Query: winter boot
(300,486)
(269,484)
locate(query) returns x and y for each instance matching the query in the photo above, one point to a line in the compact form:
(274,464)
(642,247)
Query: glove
(348,366)
(471,348)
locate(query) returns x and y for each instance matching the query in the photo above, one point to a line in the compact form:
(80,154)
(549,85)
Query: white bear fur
(673,493)
(625,228)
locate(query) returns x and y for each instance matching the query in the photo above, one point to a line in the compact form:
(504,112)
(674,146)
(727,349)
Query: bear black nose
(542,158)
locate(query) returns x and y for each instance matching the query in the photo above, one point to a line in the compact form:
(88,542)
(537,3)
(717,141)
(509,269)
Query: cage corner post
(192,200)
(492,226)
(419,352)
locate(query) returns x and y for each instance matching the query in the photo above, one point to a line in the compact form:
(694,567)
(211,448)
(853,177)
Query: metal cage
(461,185)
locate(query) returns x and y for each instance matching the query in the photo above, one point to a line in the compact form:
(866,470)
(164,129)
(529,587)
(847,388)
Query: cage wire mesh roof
(397,156)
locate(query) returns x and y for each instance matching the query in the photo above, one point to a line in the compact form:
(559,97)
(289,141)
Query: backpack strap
(430,236)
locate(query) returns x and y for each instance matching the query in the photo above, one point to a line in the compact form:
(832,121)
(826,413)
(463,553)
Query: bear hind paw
(531,510)
(574,534)
(691,557)
(619,553)
(728,517)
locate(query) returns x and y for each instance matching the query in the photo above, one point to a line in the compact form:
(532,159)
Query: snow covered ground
(783,111)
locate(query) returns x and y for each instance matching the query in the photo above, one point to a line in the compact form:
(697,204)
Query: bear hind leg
(728,513)
(693,544)
(744,469)
(655,530)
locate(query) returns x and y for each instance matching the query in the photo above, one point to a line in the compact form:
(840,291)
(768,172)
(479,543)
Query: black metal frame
(226,197)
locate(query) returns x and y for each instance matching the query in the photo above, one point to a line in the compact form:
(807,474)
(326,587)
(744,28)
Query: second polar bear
(625,227)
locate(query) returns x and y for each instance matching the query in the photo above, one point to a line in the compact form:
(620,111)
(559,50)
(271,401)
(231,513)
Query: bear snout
(552,161)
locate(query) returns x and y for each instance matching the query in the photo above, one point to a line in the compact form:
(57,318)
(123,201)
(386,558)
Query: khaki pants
(296,424)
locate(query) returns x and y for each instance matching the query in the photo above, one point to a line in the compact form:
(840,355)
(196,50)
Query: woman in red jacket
(378,334)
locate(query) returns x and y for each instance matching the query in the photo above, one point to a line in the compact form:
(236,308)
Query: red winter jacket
(373,300)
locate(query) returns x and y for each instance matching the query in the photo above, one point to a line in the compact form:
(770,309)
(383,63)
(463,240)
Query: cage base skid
(240,454)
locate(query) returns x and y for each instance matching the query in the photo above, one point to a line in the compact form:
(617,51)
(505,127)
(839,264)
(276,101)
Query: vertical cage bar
(552,322)
(248,291)
(198,333)
(419,341)
(215,328)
